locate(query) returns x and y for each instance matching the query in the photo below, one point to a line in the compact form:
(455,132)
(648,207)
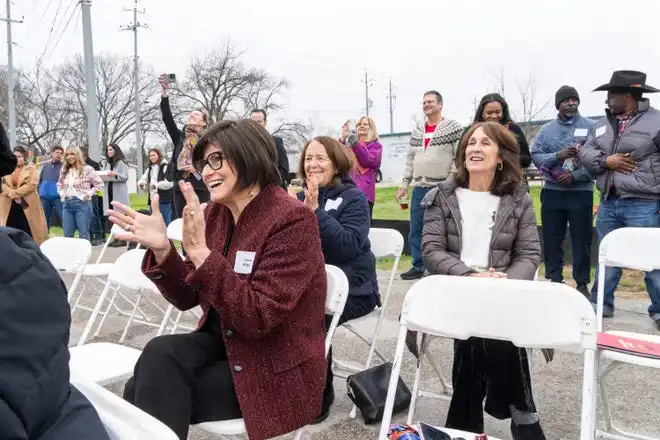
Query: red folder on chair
(626,345)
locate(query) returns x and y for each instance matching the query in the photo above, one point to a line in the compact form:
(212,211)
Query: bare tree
(222,85)
(115,93)
(527,107)
(294,134)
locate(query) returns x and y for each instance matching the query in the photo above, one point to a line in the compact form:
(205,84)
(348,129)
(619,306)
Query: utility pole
(10,76)
(136,84)
(368,82)
(391,98)
(93,137)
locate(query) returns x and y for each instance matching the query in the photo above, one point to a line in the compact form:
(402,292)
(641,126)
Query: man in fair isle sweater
(430,160)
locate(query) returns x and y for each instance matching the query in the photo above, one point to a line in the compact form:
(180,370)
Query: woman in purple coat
(368,152)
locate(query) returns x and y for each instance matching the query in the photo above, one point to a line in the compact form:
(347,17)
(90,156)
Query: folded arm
(30,186)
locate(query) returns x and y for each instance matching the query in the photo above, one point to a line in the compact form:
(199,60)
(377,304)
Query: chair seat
(223,427)
(97,270)
(102,363)
(626,358)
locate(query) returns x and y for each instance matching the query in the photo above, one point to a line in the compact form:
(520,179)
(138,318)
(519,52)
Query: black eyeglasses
(214,160)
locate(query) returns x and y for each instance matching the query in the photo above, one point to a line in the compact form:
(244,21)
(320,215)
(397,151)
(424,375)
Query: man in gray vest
(623,152)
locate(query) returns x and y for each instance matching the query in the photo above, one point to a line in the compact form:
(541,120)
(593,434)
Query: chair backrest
(335,299)
(127,271)
(386,242)
(121,420)
(67,254)
(631,248)
(528,313)
(175,230)
(116,229)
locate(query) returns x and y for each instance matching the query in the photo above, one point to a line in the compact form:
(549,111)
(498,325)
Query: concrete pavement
(557,385)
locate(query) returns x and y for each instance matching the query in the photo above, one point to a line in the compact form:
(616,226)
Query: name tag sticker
(333,204)
(600,131)
(580,132)
(244,262)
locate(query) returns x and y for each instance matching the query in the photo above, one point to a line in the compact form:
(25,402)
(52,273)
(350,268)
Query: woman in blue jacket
(344,220)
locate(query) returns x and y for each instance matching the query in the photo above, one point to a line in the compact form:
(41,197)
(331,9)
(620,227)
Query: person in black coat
(493,107)
(37,402)
(181,167)
(7,157)
(344,221)
(259,116)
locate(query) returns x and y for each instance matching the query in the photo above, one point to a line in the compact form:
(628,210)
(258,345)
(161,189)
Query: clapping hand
(490,274)
(147,230)
(312,193)
(194,226)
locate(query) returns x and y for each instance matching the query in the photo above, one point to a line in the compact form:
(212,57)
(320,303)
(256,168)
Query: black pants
(495,370)
(17,219)
(559,208)
(180,201)
(371,213)
(356,307)
(182,379)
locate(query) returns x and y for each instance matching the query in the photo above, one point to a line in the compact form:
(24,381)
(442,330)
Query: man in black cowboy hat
(623,151)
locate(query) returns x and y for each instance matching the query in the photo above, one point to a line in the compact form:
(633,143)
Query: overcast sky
(323,47)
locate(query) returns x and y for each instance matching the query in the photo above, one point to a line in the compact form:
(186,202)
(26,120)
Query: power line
(136,79)
(10,76)
(66,26)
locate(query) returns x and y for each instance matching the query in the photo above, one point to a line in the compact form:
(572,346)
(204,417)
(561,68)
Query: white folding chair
(102,363)
(630,248)
(175,230)
(334,305)
(121,420)
(464,307)
(68,255)
(385,243)
(127,273)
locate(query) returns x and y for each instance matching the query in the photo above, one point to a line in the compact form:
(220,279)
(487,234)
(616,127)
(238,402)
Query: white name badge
(601,131)
(581,132)
(333,204)
(244,262)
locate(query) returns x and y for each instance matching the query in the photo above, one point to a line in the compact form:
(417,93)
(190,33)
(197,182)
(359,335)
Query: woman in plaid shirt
(78,183)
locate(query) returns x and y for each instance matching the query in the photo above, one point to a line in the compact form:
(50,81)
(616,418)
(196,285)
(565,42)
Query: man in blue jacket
(623,151)
(50,174)
(567,195)
(36,400)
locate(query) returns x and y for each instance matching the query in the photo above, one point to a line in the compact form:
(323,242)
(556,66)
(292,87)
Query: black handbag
(368,391)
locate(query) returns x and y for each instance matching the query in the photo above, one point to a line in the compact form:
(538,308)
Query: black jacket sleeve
(525,156)
(7,158)
(282,161)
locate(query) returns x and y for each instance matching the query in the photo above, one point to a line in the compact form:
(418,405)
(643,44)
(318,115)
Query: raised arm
(168,119)
(526,252)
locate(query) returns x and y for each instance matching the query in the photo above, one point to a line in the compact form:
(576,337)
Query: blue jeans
(166,211)
(416,226)
(618,213)
(76,215)
(96,219)
(48,206)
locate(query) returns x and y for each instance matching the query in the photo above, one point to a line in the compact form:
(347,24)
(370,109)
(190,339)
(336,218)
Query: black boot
(527,432)
(328,400)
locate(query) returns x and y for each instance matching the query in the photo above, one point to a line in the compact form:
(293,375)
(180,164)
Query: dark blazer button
(238,368)
(229,333)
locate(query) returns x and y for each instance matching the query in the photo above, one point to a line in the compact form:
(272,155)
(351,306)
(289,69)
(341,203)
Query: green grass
(388,208)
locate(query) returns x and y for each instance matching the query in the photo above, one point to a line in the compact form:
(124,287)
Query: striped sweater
(428,167)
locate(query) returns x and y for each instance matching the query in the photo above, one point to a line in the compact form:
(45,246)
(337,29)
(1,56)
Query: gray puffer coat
(515,247)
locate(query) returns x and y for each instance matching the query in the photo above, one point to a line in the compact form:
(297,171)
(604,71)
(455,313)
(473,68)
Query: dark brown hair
(507,179)
(248,149)
(337,153)
(438,96)
(158,152)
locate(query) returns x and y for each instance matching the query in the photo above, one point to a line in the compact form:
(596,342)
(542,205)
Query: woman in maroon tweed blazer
(254,264)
